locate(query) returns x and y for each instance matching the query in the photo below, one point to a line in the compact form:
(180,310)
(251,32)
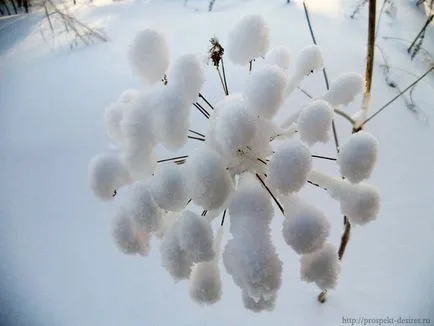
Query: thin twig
(206,101)
(344,115)
(324,157)
(204,213)
(262,161)
(326,80)
(172,159)
(223,218)
(344,240)
(396,97)
(224,77)
(201,111)
(196,138)
(316,185)
(196,133)
(271,194)
(305,92)
(250,66)
(221,80)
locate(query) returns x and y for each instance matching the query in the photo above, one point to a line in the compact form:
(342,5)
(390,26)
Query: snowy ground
(59,265)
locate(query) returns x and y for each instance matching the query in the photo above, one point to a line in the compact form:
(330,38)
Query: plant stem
(271,194)
(224,77)
(394,99)
(250,66)
(172,159)
(324,157)
(223,218)
(370,56)
(196,138)
(196,133)
(345,238)
(221,80)
(205,114)
(206,101)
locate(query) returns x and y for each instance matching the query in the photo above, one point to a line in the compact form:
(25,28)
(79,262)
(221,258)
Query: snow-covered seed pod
(289,167)
(149,56)
(113,116)
(315,121)
(279,56)
(234,127)
(172,117)
(127,238)
(344,89)
(207,179)
(308,60)
(129,96)
(358,156)
(205,281)
(264,91)
(188,75)
(361,202)
(143,208)
(321,267)
(259,305)
(248,40)
(196,237)
(107,173)
(251,210)
(137,127)
(254,265)
(169,187)
(305,227)
(176,261)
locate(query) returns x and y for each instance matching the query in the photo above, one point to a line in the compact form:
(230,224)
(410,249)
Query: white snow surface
(60,265)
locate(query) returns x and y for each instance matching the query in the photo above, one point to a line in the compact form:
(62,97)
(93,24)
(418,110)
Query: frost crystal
(358,156)
(248,40)
(149,56)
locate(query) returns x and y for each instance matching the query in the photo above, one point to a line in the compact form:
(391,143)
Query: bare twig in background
(359,6)
(75,30)
(415,46)
(396,97)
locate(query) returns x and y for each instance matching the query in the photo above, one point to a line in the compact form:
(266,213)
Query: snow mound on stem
(321,267)
(305,227)
(315,122)
(188,75)
(264,91)
(248,40)
(149,56)
(344,89)
(358,156)
(279,56)
(289,167)
(107,173)
(143,208)
(169,187)
(207,179)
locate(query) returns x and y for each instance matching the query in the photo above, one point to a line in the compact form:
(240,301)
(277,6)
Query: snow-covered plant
(245,166)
